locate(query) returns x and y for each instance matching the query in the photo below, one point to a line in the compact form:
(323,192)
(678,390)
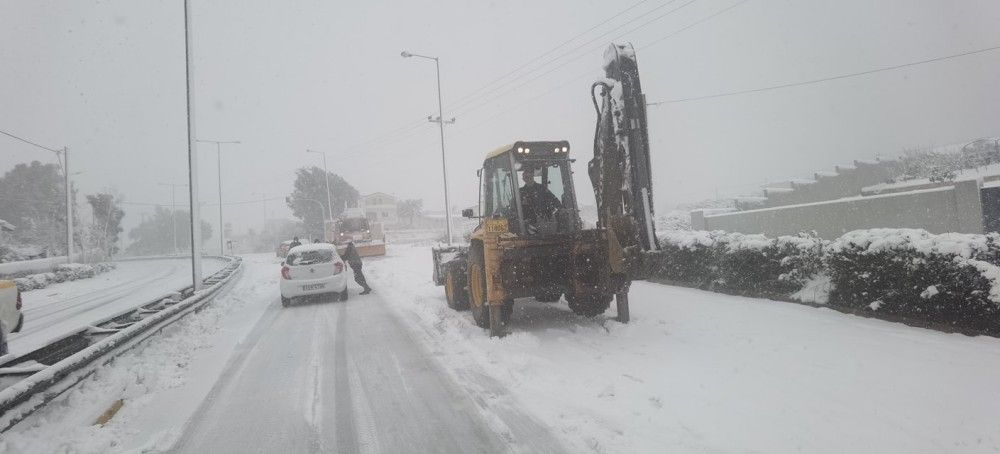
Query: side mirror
(467,213)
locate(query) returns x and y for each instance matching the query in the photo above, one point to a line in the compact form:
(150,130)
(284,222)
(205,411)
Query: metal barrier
(78,356)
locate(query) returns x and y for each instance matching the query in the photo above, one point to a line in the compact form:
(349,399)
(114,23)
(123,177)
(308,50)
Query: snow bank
(703,372)
(62,273)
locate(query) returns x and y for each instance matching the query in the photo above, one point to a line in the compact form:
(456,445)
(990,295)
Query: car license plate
(313,287)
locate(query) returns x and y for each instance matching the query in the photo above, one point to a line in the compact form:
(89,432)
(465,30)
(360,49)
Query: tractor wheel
(285,301)
(589,305)
(454,289)
(477,290)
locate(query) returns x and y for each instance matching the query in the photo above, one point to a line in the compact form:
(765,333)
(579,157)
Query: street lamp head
(405,54)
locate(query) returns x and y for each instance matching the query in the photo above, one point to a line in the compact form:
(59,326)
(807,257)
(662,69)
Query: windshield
(310,257)
(353,225)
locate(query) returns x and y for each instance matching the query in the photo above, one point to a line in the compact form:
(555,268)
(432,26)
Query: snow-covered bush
(62,273)
(746,264)
(948,278)
(686,257)
(765,266)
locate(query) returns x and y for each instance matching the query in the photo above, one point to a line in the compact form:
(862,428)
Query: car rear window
(310,257)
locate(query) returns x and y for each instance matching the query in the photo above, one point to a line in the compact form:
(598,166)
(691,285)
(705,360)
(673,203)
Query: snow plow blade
(364,249)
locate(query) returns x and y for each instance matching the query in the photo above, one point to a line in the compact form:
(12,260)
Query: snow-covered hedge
(944,279)
(62,273)
(948,279)
(737,262)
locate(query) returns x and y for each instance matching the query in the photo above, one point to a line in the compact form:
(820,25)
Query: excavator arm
(620,170)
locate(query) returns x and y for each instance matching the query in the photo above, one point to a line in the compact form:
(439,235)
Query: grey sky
(106,78)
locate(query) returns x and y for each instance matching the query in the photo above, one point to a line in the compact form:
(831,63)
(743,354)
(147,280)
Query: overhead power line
(825,79)
(22,139)
(588,73)
(462,100)
(571,51)
(403,132)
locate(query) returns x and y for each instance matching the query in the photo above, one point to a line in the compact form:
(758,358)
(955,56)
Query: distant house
(380,207)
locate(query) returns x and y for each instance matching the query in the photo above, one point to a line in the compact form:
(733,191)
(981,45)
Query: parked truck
(368,236)
(530,241)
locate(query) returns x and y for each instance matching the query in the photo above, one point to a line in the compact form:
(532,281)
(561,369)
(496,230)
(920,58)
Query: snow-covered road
(398,371)
(54,311)
(337,377)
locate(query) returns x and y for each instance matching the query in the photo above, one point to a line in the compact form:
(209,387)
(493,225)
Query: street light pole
(440,121)
(218,150)
(326,177)
(196,282)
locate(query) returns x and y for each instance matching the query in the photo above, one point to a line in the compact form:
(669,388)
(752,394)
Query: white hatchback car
(312,269)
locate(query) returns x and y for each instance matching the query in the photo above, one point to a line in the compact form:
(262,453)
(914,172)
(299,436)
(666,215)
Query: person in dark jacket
(536,200)
(354,260)
(295,242)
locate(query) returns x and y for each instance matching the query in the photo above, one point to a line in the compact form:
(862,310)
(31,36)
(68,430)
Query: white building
(380,207)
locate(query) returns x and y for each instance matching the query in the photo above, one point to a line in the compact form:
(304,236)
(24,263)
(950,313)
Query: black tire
(455,289)
(589,305)
(477,287)
(552,297)
(285,302)
(477,294)
(344,295)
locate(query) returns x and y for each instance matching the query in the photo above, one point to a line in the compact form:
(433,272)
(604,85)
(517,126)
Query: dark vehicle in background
(282,250)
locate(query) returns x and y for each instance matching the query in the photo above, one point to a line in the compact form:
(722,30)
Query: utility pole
(326,177)
(218,150)
(196,281)
(263,204)
(69,206)
(441,122)
(173,210)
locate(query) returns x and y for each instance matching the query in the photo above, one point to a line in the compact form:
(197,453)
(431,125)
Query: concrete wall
(845,182)
(955,208)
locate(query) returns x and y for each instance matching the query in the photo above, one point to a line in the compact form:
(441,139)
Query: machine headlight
(565,149)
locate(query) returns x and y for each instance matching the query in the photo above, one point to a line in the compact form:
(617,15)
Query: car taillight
(338,268)
(286,272)
(18,300)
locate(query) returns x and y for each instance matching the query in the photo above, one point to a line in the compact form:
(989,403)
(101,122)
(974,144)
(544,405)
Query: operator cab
(531,185)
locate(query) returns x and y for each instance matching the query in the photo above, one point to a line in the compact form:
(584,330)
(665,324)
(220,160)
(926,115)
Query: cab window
(498,188)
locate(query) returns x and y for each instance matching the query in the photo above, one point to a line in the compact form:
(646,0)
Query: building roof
(380,194)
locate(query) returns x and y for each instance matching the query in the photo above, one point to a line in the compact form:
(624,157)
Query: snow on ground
(59,309)
(161,382)
(704,372)
(694,372)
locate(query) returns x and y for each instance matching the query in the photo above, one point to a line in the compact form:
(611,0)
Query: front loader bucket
(365,249)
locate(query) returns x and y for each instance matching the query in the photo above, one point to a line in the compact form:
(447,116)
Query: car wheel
(285,302)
